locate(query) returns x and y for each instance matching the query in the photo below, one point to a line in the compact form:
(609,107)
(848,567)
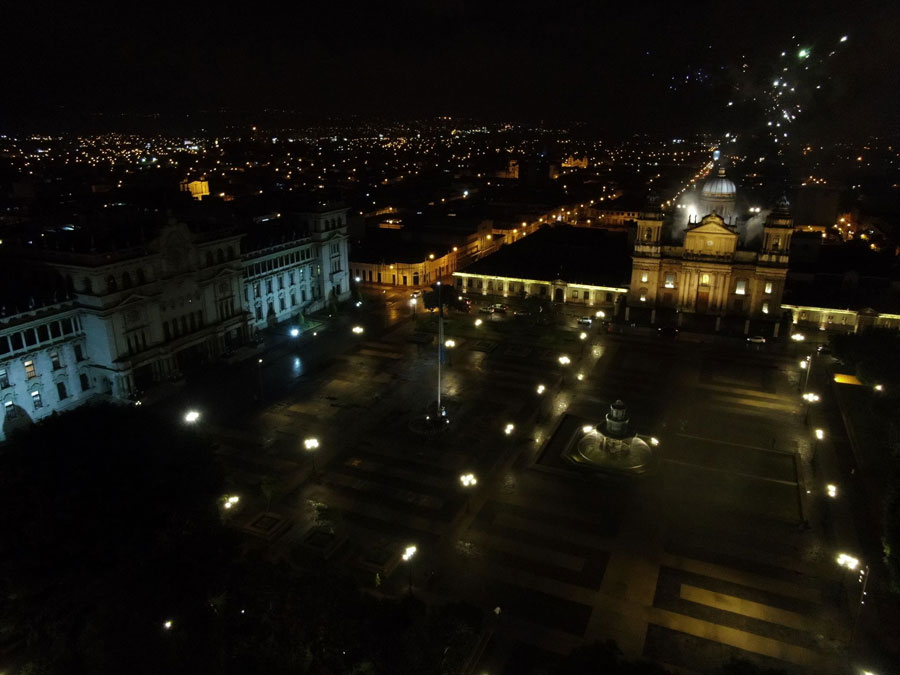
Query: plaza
(718,551)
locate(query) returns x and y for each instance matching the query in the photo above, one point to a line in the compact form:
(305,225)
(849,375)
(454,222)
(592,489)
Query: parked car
(823,349)
(585,321)
(500,309)
(486,309)
(756,339)
(416,294)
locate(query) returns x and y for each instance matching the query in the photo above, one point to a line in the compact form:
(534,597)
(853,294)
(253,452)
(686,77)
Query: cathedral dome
(719,186)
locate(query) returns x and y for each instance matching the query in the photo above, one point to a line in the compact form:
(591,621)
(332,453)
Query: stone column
(627,313)
(718,323)
(746,326)
(653,316)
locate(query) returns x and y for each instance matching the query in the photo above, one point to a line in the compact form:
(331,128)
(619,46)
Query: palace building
(138,298)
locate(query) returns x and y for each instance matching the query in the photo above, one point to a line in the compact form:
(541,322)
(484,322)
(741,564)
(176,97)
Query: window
(66,326)
(4,378)
(79,355)
(30,337)
(54,359)
(335,249)
(268,285)
(259,314)
(575,294)
(111,284)
(709,243)
(643,295)
(36,400)
(740,287)
(765,307)
(61,391)
(54,330)
(644,277)
(29,370)
(85,382)
(280,304)
(670,280)
(9,409)
(43,333)
(768,287)
(704,280)
(293,299)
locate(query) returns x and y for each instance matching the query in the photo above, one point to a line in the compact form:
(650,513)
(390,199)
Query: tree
(116,528)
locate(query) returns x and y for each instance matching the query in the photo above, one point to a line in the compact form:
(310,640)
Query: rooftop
(572,254)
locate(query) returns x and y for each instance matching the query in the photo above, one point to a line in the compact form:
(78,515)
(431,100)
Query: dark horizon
(620,68)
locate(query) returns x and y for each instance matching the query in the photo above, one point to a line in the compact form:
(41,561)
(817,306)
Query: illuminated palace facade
(709,274)
(125,317)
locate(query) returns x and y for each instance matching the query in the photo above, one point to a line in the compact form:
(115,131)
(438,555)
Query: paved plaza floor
(703,558)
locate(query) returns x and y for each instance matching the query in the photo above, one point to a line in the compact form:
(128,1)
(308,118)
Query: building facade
(709,275)
(142,314)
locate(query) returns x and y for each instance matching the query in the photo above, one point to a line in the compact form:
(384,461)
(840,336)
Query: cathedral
(718,271)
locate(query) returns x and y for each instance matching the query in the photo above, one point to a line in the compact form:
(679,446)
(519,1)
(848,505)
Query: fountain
(611,445)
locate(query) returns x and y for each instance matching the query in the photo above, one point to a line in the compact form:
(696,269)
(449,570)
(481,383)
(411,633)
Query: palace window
(30,372)
(4,378)
(768,287)
(704,280)
(575,294)
(765,307)
(85,382)
(740,287)
(644,277)
(643,295)
(670,280)
(36,399)
(61,391)
(79,354)
(9,409)
(54,359)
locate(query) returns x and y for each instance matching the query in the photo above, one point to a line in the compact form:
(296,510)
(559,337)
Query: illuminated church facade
(706,270)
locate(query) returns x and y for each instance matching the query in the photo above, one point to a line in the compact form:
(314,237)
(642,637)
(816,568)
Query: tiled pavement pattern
(699,561)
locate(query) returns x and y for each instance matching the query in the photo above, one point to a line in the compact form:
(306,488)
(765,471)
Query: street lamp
(541,389)
(508,429)
(259,377)
(358,330)
(831,490)
(311,445)
(413,303)
(600,314)
(879,387)
(167,625)
(654,441)
(810,398)
(191,416)
(408,554)
(478,322)
(564,360)
(295,332)
(468,480)
(230,501)
(851,563)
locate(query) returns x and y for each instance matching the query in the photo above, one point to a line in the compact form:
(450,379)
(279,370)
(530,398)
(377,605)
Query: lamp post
(408,554)
(819,435)
(806,364)
(583,338)
(192,417)
(311,445)
(259,377)
(468,481)
(449,344)
(851,563)
(810,398)
(413,303)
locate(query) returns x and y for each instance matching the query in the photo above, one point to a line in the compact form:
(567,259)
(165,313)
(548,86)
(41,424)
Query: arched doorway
(558,295)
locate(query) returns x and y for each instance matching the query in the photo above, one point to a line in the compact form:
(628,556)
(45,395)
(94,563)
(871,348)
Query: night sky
(620,66)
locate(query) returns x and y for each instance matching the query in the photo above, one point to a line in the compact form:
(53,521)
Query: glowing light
(295,332)
(167,625)
(311,443)
(564,360)
(654,441)
(879,387)
(847,561)
(191,416)
(478,322)
(587,428)
(508,429)
(600,314)
(820,434)
(541,389)
(832,490)
(358,330)
(468,480)
(843,38)
(798,337)
(409,552)
(450,344)
(583,335)
(579,377)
